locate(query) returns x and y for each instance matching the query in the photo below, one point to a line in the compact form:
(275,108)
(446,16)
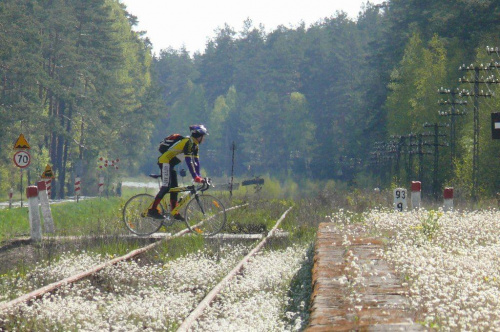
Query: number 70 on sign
(22,159)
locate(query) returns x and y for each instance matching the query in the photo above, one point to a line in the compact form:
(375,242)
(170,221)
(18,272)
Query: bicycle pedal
(178,217)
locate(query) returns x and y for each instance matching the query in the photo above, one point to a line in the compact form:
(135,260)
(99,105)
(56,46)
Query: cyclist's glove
(198,179)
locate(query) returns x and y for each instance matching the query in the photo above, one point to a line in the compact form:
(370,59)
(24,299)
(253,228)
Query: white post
(101,184)
(78,187)
(48,222)
(11,193)
(34,214)
(448,199)
(400,203)
(416,189)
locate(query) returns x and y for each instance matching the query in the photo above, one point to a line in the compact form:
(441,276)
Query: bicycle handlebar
(206,184)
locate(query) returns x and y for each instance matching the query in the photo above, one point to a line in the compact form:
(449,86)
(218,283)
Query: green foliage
(324,94)
(414,84)
(76,83)
(93,216)
(430,224)
(301,103)
(15,222)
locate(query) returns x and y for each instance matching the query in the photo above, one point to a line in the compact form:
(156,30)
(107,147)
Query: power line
(452,113)
(436,144)
(476,94)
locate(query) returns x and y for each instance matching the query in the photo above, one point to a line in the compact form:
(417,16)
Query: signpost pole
(11,193)
(233,147)
(21,187)
(22,158)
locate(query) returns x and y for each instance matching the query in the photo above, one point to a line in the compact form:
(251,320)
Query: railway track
(193,315)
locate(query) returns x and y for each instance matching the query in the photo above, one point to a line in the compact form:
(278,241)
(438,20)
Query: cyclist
(187,148)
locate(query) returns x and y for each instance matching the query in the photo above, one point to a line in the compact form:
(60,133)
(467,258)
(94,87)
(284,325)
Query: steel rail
(198,311)
(79,276)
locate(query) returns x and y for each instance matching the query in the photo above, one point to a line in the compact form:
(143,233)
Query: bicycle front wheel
(135,215)
(205,215)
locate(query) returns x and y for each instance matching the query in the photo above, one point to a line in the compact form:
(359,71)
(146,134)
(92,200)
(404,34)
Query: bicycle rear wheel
(135,215)
(205,215)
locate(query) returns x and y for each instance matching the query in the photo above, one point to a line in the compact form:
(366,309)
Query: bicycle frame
(197,209)
(192,191)
(182,202)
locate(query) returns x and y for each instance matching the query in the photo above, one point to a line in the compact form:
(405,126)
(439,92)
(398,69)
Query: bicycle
(204,214)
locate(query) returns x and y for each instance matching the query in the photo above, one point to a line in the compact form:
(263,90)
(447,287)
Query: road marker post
(400,202)
(34,213)
(448,199)
(416,189)
(101,185)
(47,176)
(48,222)
(78,188)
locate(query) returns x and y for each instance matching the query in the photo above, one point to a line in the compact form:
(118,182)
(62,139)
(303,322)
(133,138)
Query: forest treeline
(341,99)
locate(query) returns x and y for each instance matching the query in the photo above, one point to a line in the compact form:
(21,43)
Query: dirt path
(353,289)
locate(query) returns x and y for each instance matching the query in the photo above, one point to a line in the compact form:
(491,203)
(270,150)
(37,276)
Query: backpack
(167,142)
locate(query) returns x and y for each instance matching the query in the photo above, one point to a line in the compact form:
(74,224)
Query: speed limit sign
(22,159)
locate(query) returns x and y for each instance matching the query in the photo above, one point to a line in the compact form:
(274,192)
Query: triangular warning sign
(21,143)
(48,174)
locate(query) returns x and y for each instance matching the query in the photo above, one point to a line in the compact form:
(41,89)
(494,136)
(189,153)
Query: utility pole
(411,153)
(380,158)
(402,147)
(436,145)
(476,94)
(452,113)
(233,148)
(420,152)
(397,149)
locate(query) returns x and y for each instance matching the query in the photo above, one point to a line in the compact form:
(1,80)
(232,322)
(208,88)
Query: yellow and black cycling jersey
(186,147)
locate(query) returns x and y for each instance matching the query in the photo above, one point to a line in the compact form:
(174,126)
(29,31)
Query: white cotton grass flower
(128,296)
(450,262)
(131,296)
(254,300)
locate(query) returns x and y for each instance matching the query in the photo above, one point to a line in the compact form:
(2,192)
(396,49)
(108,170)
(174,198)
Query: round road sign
(22,159)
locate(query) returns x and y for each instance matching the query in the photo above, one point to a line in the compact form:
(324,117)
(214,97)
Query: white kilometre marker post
(400,199)
(448,199)
(48,222)
(34,214)
(416,189)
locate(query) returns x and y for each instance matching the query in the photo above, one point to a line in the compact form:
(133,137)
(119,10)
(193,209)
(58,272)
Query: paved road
(4,205)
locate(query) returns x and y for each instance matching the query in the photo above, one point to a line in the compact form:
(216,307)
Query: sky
(190,23)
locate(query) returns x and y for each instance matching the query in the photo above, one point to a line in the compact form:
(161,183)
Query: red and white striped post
(11,193)
(48,222)
(78,187)
(48,185)
(448,199)
(101,184)
(34,214)
(416,189)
